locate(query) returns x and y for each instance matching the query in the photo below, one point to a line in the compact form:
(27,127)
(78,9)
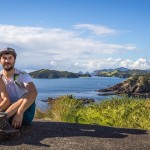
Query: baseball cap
(8,50)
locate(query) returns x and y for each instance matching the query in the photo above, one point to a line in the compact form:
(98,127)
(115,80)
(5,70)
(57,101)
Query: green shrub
(117,112)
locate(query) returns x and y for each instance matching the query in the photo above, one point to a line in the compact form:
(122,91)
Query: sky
(76,35)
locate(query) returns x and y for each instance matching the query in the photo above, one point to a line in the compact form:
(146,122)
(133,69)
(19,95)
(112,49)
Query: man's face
(7,61)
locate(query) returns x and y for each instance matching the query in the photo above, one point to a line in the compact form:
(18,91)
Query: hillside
(120,72)
(53,74)
(136,85)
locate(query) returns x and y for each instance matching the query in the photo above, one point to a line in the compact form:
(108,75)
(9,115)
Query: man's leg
(29,115)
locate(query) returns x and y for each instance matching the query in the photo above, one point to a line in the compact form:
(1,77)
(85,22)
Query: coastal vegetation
(117,112)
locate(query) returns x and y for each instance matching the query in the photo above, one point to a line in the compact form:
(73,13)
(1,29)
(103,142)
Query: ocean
(78,87)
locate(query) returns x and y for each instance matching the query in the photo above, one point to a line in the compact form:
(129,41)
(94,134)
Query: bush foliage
(117,112)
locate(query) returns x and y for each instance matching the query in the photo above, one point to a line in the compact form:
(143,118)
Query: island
(54,74)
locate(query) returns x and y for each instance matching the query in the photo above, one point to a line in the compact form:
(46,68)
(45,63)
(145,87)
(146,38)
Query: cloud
(114,63)
(56,48)
(53,63)
(141,63)
(97,29)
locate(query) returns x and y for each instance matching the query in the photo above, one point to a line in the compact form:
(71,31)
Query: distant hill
(122,69)
(119,72)
(53,74)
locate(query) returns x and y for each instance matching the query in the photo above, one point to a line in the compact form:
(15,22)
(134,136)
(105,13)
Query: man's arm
(28,98)
(22,105)
(5,102)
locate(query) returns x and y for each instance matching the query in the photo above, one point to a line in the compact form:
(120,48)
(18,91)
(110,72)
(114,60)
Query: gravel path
(46,135)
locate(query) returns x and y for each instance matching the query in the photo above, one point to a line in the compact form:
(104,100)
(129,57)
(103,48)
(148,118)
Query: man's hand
(17,120)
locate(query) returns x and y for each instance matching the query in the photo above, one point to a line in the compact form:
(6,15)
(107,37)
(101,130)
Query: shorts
(29,115)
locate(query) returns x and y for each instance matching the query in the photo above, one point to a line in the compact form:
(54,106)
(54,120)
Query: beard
(8,67)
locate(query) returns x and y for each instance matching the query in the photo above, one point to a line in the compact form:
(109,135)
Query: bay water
(78,87)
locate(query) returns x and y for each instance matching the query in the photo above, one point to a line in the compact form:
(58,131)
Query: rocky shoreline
(50,100)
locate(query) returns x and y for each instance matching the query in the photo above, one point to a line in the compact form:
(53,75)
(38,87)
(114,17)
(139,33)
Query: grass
(117,112)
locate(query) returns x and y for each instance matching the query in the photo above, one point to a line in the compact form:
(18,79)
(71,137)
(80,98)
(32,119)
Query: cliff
(136,85)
